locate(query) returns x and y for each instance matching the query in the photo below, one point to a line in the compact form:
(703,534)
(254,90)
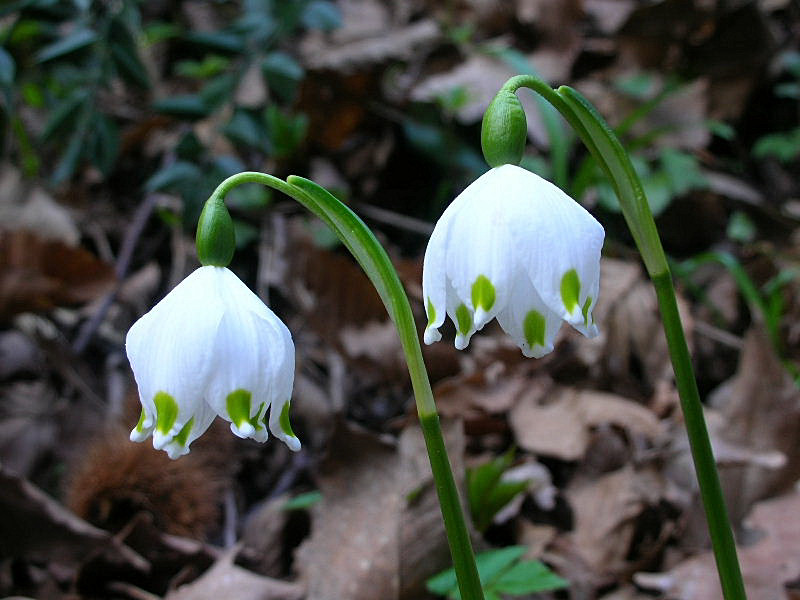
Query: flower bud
(215,239)
(504,130)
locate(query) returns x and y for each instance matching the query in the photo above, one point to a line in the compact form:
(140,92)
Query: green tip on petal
(431,313)
(585,310)
(183,434)
(238,405)
(286,426)
(534,328)
(570,290)
(504,130)
(166,412)
(464,319)
(140,424)
(215,239)
(483,294)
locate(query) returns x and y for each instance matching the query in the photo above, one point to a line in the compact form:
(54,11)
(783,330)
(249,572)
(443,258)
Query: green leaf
(220,41)
(189,106)
(218,90)
(682,170)
(283,73)
(244,128)
(303,501)
(63,116)
(741,228)
(104,146)
(69,161)
(210,66)
(171,175)
(160,31)
(125,56)
(286,131)
(7,68)
(79,38)
(320,14)
(527,577)
(784,146)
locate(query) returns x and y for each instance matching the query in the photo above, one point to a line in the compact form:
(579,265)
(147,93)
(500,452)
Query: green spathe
(504,130)
(215,239)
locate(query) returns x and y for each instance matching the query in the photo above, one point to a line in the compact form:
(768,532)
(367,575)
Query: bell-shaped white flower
(513,246)
(211,347)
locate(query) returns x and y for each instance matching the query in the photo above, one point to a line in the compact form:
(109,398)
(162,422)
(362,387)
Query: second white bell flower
(513,246)
(211,347)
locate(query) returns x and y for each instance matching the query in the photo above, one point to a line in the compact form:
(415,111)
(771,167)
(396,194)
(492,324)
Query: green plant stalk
(608,151)
(369,253)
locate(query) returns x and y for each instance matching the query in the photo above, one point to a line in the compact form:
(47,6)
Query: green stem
(609,153)
(719,525)
(369,253)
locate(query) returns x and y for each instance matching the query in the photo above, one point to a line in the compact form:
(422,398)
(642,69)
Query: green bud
(504,130)
(215,239)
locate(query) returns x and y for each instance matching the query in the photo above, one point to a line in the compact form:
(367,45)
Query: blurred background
(118,120)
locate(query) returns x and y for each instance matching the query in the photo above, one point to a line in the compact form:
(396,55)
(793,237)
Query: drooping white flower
(211,347)
(513,246)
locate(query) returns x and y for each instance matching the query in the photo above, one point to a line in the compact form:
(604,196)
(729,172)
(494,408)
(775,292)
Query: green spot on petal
(534,328)
(238,405)
(183,434)
(483,294)
(431,313)
(140,424)
(570,290)
(286,427)
(464,319)
(166,412)
(256,421)
(585,310)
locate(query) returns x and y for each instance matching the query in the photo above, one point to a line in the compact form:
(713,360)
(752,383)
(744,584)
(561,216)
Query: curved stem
(609,153)
(369,253)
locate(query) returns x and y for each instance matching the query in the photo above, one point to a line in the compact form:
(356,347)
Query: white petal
(555,236)
(179,444)
(434,276)
(187,318)
(461,315)
(279,423)
(249,354)
(529,321)
(481,253)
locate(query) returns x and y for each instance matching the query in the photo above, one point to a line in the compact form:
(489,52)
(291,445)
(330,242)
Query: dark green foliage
(502,574)
(487,493)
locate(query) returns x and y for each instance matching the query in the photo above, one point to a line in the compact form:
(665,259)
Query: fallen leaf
(761,411)
(36,527)
(605,512)
(227,580)
(769,565)
(559,422)
(37,275)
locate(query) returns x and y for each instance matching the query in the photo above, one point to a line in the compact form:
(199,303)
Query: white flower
(211,347)
(515,247)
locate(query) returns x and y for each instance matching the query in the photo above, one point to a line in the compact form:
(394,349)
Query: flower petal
(558,243)
(279,423)
(434,275)
(481,254)
(164,371)
(529,321)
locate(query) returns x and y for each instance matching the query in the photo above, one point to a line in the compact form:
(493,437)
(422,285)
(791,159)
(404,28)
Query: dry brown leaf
(38,275)
(227,580)
(605,512)
(768,565)
(377,532)
(559,423)
(36,527)
(761,411)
